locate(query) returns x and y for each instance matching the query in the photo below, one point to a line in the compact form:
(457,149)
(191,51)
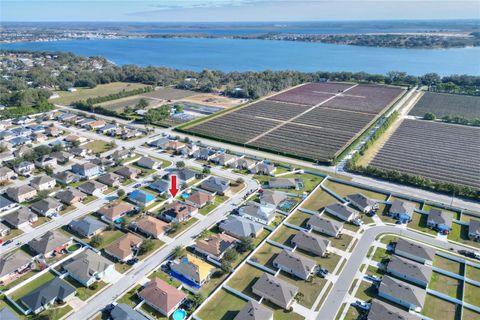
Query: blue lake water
(243,55)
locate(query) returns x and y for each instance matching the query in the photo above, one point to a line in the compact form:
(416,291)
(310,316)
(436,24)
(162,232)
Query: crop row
(444,104)
(273,110)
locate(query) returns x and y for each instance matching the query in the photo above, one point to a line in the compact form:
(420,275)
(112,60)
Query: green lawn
(446,285)
(215,280)
(309,289)
(371,270)
(328,263)
(130,298)
(436,308)
(156,245)
(97,146)
(108,237)
(299,218)
(319,200)
(223,306)
(89,199)
(342,242)
(459,233)
(184,226)
(210,207)
(388,238)
(245,278)
(470,314)
(366,291)
(152,312)
(381,255)
(283,235)
(22,291)
(352,313)
(266,254)
(472,294)
(419,222)
(165,277)
(19,280)
(13,234)
(447,264)
(456,215)
(281,314)
(83,292)
(343,190)
(473,273)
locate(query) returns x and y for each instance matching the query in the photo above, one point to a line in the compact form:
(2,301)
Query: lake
(244,55)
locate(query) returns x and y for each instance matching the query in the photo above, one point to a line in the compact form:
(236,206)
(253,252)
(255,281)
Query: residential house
(342,212)
(216,185)
(62,157)
(161,186)
(113,212)
(402,293)
(193,269)
(22,193)
(87,227)
(295,264)
(108,128)
(474,230)
(47,207)
(70,196)
(272,198)
(13,264)
(244,164)
(239,227)
(215,245)
(128,173)
(89,267)
(124,248)
(111,179)
(66,177)
(6,204)
(103,163)
(123,311)
(282,183)
(120,155)
(39,137)
(6,135)
(21,132)
(92,187)
(176,146)
(401,210)
(80,152)
(84,122)
(159,143)
(204,154)
(414,251)
(312,243)
(88,169)
(162,297)
(53,132)
(141,198)
(224,159)
(49,243)
(254,311)
(149,163)
(199,199)
(22,152)
(380,310)
(66,117)
(409,270)
(263,168)
(362,202)
(183,175)
(24,168)
(178,212)
(257,212)
(4,230)
(95,125)
(151,226)
(43,182)
(21,218)
(275,290)
(326,226)
(19,141)
(47,294)
(440,221)
(46,162)
(6,174)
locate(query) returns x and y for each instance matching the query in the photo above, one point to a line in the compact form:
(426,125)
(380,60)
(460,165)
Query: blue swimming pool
(179,314)
(184,280)
(185,195)
(119,220)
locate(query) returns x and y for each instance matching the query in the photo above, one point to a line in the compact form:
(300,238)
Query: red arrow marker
(173,186)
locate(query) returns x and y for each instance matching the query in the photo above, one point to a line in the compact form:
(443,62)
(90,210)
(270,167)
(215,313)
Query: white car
(358,222)
(361,305)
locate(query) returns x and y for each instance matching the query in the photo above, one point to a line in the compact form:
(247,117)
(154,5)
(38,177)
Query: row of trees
(453,119)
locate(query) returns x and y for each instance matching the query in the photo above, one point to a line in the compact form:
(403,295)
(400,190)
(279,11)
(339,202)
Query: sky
(235,10)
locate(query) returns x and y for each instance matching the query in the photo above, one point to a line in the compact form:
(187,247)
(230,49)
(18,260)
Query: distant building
(474,230)
(401,210)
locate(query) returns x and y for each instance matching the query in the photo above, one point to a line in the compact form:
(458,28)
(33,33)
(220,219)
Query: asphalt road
(340,288)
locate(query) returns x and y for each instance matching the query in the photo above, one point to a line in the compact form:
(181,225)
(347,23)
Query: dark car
(7,242)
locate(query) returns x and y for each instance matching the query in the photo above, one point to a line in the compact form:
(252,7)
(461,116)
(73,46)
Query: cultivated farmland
(444,104)
(305,122)
(438,151)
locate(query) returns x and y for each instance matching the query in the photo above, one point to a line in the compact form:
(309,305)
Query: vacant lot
(448,265)
(319,200)
(344,190)
(444,104)
(309,121)
(446,285)
(213,100)
(436,308)
(266,254)
(245,278)
(438,151)
(284,235)
(223,306)
(99,91)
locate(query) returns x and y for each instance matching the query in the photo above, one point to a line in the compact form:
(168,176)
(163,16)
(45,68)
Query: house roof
(67,196)
(474,226)
(344,211)
(215,184)
(109,178)
(326,224)
(11,261)
(52,290)
(264,167)
(399,206)
(14,192)
(200,198)
(46,204)
(410,268)
(7,314)
(402,291)
(18,217)
(360,200)
(216,244)
(65,176)
(414,249)
(122,247)
(194,267)
(117,209)
(127,171)
(254,311)
(84,166)
(162,295)
(178,210)
(440,217)
(4,202)
(87,264)
(87,225)
(254,209)
(152,225)
(293,261)
(48,241)
(160,185)
(42,180)
(278,289)
(91,186)
(147,162)
(159,142)
(273,197)
(183,174)
(311,242)
(123,311)
(282,182)
(380,310)
(240,227)
(5,170)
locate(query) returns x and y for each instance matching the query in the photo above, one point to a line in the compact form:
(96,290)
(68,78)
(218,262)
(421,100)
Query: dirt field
(213,100)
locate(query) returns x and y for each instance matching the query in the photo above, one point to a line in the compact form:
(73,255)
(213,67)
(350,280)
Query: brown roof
(179,209)
(200,198)
(97,123)
(216,244)
(122,247)
(152,225)
(162,295)
(116,210)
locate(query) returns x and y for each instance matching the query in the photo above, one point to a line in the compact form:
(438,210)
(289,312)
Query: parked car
(322,272)
(138,185)
(358,222)
(373,278)
(7,242)
(361,305)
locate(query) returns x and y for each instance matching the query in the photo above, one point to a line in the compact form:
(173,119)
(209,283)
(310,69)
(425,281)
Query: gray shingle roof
(46,204)
(399,206)
(273,197)
(326,224)
(87,264)
(254,311)
(403,291)
(414,249)
(7,314)
(216,184)
(410,268)
(360,200)
(11,261)
(299,264)
(380,310)
(240,227)
(280,290)
(87,226)
(48,242)
(123,311)
(311,242)
(440,217)
(56,289)
(19,217)
(343,211)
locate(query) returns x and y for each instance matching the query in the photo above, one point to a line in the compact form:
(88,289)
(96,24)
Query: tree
(48,170)
(429,116)
(226,266)
(197,299)
(180,164)
(174,226)
(96,241)
(246,244)
(76,143)
(146,246)
(239,180)
(206,171)
(178,108)
(142,104)
(179,251)
(42,195)
(230,255)
(120,193)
